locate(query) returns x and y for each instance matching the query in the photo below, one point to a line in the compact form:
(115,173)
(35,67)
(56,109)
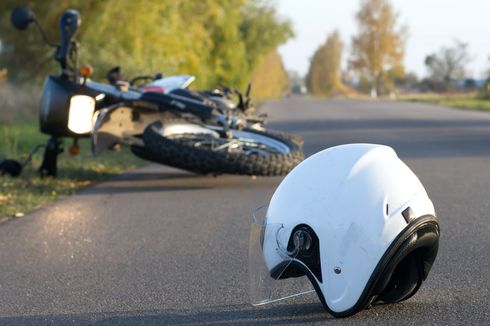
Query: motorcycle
(170,127)
(221,96)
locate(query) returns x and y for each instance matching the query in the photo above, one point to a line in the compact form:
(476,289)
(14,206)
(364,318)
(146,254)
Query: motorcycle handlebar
(69,23)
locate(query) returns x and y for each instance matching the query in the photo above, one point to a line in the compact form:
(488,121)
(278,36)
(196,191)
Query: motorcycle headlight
(80,114)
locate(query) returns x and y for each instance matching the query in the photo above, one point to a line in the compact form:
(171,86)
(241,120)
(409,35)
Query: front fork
(49,165)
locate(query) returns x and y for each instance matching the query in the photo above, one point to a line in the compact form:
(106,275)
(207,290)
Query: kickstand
(52,150)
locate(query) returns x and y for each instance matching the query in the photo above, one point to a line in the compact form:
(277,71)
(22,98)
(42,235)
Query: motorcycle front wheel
(211,150)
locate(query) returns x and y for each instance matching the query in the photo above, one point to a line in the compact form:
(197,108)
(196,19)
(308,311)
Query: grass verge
(471,102)
(28,192)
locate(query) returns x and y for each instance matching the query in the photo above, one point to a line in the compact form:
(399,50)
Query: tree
(219,41)
(269,78)
(485,90)
(379,47)
(448,64)
(324,73)
(262,30)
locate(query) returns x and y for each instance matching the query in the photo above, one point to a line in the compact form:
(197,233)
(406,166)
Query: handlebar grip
(69,23)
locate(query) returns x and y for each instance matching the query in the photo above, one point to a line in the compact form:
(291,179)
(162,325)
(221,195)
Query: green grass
(471,102)
(28,192)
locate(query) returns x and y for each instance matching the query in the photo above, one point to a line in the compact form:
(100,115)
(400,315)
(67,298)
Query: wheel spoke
(237,144)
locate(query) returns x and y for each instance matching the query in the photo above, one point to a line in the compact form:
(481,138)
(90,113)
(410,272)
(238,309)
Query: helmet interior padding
(409,266)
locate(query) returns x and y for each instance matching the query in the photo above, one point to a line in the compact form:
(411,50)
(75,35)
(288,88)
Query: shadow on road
(147,180)
(116,189)
(221,315)
(151,176)
(292,314)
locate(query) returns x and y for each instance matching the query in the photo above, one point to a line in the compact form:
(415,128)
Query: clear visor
(270,263)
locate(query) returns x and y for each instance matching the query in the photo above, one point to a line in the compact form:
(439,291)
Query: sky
(431,25)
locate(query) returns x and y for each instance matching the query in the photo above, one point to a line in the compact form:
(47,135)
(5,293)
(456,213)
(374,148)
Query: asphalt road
(161,246)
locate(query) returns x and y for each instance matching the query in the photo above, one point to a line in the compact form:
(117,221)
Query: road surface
(161,246)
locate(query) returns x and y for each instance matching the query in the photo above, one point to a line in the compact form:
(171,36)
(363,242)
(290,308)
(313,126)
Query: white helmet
(356,221)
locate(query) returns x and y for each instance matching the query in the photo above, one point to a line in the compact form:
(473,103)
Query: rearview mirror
(21,17)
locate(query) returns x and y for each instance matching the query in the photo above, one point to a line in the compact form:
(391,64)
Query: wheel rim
(273,145)
(237,141)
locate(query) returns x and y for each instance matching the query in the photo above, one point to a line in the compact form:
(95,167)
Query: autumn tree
(449,63)
(219,41)
(379,47)
(324,74)
(269,78)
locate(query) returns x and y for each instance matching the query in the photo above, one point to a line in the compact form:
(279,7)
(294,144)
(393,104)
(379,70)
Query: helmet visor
(270,263)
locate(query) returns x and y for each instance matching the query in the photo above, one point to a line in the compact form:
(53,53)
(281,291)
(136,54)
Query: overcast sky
(431,24)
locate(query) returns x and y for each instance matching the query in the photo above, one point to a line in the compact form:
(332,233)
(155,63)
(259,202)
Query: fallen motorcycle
(171,128)
(221,96)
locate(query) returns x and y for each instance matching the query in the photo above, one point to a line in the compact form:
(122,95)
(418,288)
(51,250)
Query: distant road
(161,246)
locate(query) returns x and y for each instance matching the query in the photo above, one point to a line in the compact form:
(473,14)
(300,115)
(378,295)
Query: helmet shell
(352,196)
